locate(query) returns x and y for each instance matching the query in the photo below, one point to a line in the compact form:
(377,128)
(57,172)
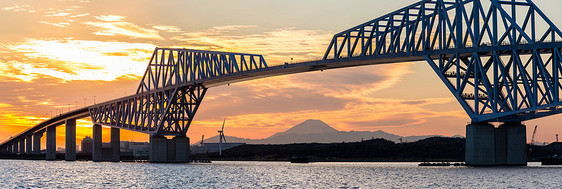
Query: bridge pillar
(158,149)
(182,149)
(115,145)
(22,145)
(28,144)
(70,141)
(37,142)
(7,148)
(51,143)
(480,144)
(96,146)
(515,143)
(15,148)
(169,150)
(500,144)
(489,146)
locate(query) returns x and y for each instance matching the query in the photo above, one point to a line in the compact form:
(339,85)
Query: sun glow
(69,59)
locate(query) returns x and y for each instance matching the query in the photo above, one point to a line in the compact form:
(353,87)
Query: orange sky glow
(56,56)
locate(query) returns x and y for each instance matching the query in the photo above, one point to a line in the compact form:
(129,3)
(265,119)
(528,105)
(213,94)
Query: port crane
(532,143)
(533,137)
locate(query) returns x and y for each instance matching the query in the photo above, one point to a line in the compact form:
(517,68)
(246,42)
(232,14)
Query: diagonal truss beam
(158,112)
(499,58)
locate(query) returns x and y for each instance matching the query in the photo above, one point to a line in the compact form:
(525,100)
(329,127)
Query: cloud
(278,45)
(355,115)
(69,59)
(20,8)
(60,24)
(25,105)
(171,29)
(112,25)
(110,18)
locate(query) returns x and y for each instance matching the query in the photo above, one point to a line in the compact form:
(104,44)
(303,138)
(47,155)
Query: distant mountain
(316,131)
(310,126)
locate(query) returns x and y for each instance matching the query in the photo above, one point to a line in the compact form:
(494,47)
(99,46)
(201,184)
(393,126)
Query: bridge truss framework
(501,59)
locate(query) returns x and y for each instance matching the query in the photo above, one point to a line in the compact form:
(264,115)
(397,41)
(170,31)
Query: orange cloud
(70,59)
(171,29)
(19,7)
(113,25)
(278,45)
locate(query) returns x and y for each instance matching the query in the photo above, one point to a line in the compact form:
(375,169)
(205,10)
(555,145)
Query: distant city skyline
(60,55)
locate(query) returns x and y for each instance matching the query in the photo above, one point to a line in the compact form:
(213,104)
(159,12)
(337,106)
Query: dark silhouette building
(87,143)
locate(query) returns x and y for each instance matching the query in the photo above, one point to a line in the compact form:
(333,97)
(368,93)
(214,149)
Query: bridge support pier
(490,146)
(480,144)
(15,148)
(163,150)
(115,145)
(182,149)
(37,142)
(22,146)
(515,143)
(158,152)
(70,141)
(28,144)
(51,143)
(10,148)
(96,146)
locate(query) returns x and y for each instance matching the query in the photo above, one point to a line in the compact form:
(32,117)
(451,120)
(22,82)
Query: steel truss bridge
(501,59)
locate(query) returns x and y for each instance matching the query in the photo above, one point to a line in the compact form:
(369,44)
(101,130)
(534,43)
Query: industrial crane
(533,137)
(532,143)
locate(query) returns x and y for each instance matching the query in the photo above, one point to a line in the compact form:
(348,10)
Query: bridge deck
(293,69)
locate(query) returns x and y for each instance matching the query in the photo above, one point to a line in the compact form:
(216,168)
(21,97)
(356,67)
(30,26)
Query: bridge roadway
(301,67)
(285,69)
(294,68)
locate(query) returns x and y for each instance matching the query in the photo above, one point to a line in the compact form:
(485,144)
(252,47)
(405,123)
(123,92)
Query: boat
(200,161)
(458,164)
(552,161)
(299,160)
(435,164)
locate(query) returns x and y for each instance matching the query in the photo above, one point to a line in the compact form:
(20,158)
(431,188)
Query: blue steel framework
(172,90)
(500,59)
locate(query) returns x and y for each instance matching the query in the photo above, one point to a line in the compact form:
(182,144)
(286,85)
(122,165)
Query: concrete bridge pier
(28,144)
(7,148)
(15,149)
(163,150)
(70,141)
(51,143)
(157,151)
(515,143)
(22,145)
(182,149)
(490,146)
(37,142)
(97,142)
(115,145)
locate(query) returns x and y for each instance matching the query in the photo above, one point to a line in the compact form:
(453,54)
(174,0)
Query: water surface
(61,174)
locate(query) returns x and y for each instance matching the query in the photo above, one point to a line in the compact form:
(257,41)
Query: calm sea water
(61,174)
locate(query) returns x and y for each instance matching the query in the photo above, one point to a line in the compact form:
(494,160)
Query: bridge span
(501,60)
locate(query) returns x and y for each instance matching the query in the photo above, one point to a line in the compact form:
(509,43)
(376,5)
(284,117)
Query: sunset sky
(56,55)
